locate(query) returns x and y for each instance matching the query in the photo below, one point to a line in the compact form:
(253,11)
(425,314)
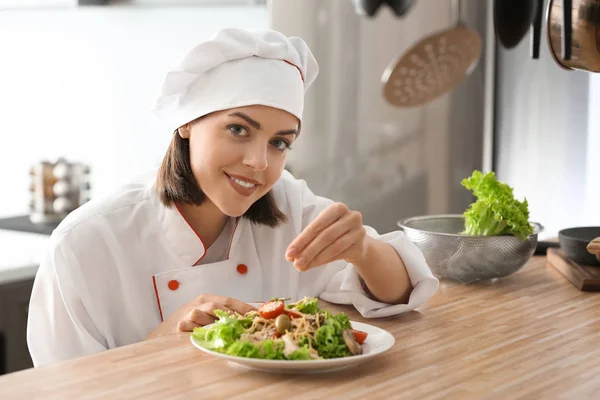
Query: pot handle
(537,29)
(567,29)
(594,247)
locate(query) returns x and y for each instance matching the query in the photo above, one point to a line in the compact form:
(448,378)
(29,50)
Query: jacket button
(173,285)
(242,269)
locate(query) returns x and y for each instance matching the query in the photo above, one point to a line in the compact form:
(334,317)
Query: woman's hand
(336,234)
(199,312)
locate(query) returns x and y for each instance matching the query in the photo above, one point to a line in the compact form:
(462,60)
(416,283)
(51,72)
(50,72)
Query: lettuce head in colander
(496,211)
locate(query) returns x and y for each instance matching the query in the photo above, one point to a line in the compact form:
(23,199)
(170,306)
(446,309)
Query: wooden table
(531,335)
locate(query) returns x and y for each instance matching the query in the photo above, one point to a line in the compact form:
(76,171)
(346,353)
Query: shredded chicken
(258,336)
(290,345)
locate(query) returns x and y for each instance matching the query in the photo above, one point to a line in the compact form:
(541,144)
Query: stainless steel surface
(544,129)
(585,34)
(434,66)
(386,162)
(464,258)
(489,80)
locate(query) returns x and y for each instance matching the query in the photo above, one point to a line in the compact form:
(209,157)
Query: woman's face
(237,155)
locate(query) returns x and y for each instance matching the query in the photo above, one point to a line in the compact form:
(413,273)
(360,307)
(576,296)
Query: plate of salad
(291,337)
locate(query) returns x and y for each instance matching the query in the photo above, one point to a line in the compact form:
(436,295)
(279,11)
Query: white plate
(378,341)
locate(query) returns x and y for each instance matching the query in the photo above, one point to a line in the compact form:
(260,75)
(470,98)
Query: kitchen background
(78,82)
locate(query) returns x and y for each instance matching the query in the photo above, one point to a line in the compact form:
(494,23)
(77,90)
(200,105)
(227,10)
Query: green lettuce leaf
(268,349)
(329,340)
(300,354)
(223,333)
(307,305)
(496,211)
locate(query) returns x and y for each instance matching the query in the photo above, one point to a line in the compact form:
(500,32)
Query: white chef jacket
(120,265)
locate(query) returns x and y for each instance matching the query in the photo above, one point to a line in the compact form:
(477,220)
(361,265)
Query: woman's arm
(383,272)
(59,326)
(338,233)
(380,274)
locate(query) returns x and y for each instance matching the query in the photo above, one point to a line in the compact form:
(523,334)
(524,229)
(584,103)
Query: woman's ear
(184,131)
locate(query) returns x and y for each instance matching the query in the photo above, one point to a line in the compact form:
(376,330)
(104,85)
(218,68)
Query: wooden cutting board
(584,277)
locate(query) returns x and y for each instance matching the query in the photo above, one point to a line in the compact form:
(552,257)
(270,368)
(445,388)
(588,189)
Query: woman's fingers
(209,309)
(325,219)
(186,326)
(336,250)
(235,305)
(322,243)
(204,311)
(201,315)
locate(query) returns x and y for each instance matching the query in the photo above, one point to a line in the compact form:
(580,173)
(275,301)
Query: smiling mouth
(241,182)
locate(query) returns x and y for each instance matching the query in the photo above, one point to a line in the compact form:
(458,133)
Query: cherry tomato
(271,309)
(360,336)
(292,314)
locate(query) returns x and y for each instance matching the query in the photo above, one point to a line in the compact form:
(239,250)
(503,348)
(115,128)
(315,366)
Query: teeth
(243,183)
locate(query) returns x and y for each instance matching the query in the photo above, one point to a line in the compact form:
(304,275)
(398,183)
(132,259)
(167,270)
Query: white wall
(80,82)
(592,197)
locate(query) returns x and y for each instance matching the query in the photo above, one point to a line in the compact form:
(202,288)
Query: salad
(280,331)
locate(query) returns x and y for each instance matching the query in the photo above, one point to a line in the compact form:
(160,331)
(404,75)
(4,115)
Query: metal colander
(464,258)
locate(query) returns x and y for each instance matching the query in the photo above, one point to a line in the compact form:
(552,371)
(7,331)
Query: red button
(242,269)
(173,285)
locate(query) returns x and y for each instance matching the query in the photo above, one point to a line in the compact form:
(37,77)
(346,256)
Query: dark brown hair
(176,183)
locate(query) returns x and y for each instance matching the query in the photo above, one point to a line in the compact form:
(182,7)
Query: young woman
(221,224)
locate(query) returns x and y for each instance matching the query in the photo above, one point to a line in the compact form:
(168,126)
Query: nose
(255,156)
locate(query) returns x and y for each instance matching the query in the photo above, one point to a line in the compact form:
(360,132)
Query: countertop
(530,335)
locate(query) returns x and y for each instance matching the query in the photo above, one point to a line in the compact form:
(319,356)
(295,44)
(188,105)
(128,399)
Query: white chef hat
(237,68)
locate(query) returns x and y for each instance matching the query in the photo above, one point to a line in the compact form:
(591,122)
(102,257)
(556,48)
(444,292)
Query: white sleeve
(59,326)
(340,282)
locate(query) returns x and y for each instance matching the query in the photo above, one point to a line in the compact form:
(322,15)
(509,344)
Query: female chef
(221,223)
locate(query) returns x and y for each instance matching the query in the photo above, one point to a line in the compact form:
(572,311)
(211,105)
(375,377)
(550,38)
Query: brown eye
(238,130)
(281,144)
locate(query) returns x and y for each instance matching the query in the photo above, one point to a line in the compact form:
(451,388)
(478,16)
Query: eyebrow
(256,124)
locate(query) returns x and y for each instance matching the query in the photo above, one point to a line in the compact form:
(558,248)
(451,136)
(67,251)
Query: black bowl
(573,242)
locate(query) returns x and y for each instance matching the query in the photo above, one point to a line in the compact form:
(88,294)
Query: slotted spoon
(434,66)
